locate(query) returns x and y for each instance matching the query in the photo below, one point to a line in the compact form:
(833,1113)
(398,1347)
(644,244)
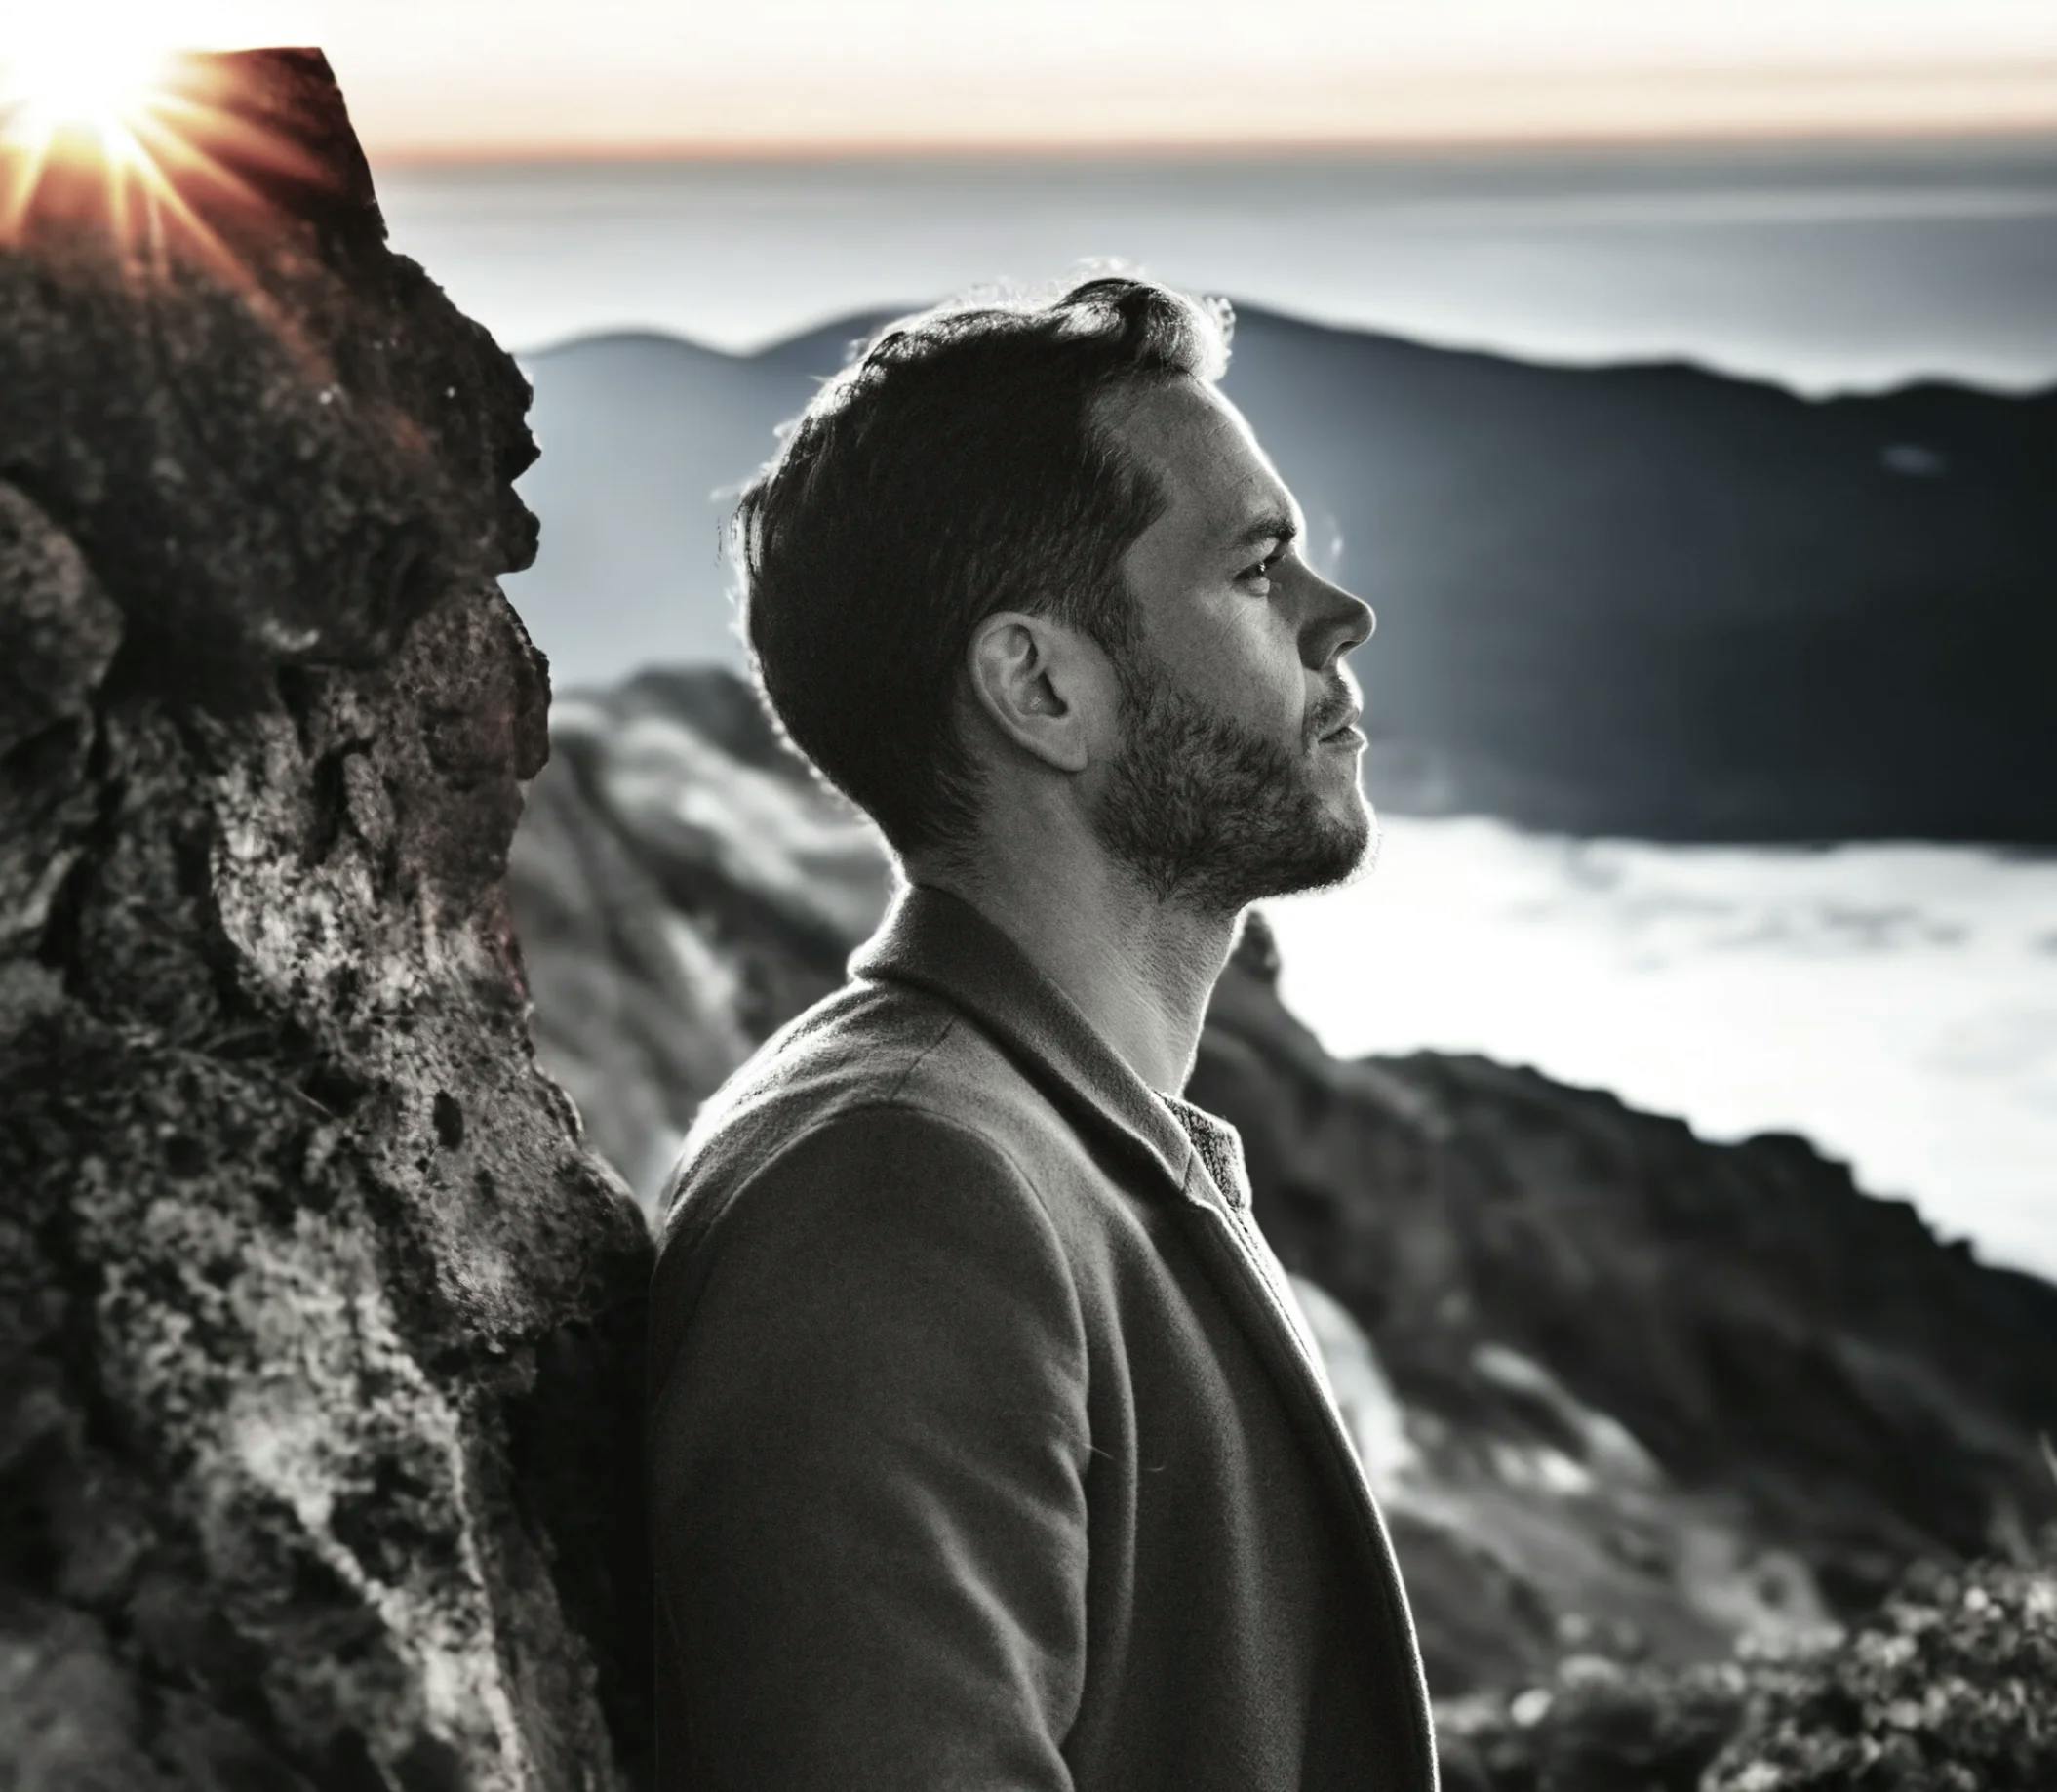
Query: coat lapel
(940,942)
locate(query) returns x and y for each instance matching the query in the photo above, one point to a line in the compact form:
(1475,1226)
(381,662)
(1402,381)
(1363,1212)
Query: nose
(1347,623)
(1367,623)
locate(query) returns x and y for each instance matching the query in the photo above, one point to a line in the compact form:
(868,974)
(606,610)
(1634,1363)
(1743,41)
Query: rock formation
(1624,1391)
(317,1347)
(1665,1392)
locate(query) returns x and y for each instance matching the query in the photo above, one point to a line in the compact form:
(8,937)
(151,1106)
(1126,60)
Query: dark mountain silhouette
(1646,600)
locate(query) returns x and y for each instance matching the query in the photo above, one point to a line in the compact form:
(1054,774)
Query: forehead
(1217,482)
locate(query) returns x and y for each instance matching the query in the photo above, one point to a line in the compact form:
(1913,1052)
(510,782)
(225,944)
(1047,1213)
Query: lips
(1348,724)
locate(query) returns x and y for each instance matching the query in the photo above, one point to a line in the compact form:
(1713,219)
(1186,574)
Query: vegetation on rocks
(1950,1685)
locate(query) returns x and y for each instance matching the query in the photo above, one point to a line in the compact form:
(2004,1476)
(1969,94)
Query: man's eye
(1260,569)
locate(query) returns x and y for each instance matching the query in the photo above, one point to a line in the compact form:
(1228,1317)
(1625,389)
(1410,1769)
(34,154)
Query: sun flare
(144,126)
(62,92)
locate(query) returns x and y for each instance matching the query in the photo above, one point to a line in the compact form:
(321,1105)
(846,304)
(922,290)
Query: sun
(66,92)
(148,127)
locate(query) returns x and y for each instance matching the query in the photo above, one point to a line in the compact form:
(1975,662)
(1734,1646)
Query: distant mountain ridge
(1648,600)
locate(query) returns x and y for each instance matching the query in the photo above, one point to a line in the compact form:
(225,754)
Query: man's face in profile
(1224,789)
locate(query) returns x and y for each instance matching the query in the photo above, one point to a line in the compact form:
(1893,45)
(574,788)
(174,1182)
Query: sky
(525,79)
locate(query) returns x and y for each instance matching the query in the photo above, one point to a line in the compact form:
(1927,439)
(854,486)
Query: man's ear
(1039,684)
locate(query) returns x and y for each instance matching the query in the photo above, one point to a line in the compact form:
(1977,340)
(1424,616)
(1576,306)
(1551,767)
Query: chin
(1331,851)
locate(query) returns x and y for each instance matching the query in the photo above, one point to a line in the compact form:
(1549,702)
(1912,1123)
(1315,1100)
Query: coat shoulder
(864,1046)
(881,1107)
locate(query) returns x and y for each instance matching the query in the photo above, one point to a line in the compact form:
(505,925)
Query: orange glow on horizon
(1342,112)
(482,81)
(631,80)
(430,155)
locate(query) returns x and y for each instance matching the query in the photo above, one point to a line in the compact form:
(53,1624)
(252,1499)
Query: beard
(1213,817)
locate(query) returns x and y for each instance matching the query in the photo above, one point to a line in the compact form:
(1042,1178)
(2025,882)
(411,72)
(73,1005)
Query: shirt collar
(939,942)
(1219,1145)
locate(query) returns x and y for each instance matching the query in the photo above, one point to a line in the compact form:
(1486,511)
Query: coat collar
(941,943)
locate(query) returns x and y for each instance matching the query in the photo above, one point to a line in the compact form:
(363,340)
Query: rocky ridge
(1664,1393)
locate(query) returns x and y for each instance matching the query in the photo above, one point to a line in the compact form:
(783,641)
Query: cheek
(1246,667)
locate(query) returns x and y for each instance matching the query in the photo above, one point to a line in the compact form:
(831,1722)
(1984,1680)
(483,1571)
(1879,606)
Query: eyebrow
(1273,526)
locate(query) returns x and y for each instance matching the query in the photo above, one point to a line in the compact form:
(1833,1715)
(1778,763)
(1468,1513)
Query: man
(989,1448)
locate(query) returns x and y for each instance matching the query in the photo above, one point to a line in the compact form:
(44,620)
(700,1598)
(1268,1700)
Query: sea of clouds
(1896,1003)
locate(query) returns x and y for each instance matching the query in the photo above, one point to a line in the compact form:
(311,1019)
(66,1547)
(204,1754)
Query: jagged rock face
(319,1338)
(1623,1391)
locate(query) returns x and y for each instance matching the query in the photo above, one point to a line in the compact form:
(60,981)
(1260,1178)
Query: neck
(1141,969)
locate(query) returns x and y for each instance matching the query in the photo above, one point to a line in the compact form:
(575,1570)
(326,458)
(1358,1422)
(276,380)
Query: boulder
(320,1335)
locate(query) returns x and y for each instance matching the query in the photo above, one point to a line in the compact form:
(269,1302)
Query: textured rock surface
(318,1320)
(682,884)
(1625,1392)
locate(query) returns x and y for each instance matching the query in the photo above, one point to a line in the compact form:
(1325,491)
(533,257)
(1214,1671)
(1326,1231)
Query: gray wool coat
(986,1451)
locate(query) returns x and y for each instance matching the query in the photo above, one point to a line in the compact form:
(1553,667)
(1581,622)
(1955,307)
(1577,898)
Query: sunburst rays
(150,139)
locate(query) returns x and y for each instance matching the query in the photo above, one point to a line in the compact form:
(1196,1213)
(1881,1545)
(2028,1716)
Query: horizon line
(881,148)
(2040,391)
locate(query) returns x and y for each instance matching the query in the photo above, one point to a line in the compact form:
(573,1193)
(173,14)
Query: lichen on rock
(319,1321)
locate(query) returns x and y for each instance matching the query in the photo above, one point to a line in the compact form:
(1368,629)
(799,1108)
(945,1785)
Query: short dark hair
(954,467)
